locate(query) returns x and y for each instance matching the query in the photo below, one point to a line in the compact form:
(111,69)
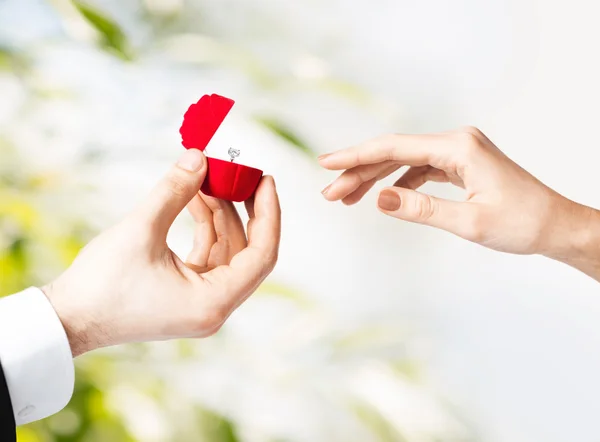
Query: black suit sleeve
(7,418)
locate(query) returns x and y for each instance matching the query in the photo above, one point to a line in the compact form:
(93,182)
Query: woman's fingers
(357,195)
(353,179)
(413,150)
(432,157)
(415,177)
(417,207)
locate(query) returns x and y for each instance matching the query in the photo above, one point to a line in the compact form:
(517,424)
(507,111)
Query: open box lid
(202,120)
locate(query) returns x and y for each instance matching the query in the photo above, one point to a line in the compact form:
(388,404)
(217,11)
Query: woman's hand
(506,208)
(127,285)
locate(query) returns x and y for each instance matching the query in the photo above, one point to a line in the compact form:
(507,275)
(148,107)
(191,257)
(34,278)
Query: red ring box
(224,180)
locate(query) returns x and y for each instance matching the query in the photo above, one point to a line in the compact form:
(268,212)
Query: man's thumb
(172,194)
(417,207)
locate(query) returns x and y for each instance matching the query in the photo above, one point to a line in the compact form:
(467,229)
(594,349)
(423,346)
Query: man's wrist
(76,327)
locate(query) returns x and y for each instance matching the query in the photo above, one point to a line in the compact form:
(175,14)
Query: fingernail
(191,160)
(324,191)
(322,157)
(388,200)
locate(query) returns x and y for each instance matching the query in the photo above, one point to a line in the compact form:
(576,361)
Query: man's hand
(506,208)
(128,286)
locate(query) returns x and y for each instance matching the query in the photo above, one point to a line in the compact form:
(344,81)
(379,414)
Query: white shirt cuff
(35,356)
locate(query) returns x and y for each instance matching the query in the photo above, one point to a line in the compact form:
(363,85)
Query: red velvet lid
(202,120)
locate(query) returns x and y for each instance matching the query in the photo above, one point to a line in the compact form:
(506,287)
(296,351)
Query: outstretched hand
(506,208)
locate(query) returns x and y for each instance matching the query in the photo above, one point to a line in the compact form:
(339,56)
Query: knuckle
(363,174)
(209,321)
(471,130)
(270,261)
(468,143)
(205,332)
(422,207)
(352,178)
(425,207)
(388,145)
(468,139)
(212,331)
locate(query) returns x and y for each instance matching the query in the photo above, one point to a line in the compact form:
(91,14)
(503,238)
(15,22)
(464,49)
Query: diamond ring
(233,153)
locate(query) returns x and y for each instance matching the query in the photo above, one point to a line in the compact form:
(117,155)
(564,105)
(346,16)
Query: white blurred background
(441,339)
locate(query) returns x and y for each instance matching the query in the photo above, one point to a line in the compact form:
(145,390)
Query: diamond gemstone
(233,153)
